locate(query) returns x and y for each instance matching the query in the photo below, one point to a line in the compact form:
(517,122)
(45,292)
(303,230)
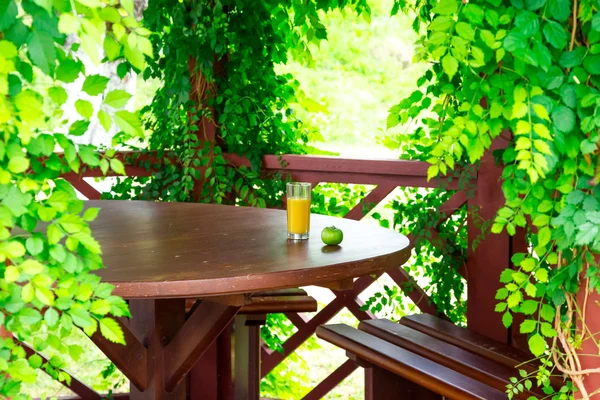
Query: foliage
(47,250)
(523,75)
(220,93)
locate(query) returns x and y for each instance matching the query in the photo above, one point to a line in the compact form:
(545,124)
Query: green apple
(332,236)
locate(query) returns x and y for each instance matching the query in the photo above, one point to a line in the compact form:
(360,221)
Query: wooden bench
(427,357)
(247,347)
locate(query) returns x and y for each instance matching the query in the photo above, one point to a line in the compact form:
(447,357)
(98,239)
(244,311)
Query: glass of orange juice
(298,210)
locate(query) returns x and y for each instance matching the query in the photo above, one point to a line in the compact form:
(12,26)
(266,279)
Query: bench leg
(381,384)
(247,356)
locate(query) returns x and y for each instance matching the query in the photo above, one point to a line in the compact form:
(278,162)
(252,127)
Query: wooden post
(588,355)
(247,356)
(155,323)
(490,257)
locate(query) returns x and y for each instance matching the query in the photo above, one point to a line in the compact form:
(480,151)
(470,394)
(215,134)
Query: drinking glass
(298,210)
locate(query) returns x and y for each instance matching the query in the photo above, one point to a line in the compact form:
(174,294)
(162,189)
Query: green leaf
(529,307)
(44,295)
(94,84)
(507,319)
(548,312)
(68,70)
(111,330)
(81,317)
(559,9)
(541,275)
(41,51)
(51,317)
(112,48)
(465,31)
(90,214)
(450,65)
(78,128)
(117,166)
(563,118)
(592,64)
(117,98)
(555,34)
(129,123)
(105,120)
(18,164)
(527,23)
(446,7)
(11,274)
(68,23)
(548,330)
(8,13)
(32,267)
(100,307)
(29,316)
(84,108)
(537,344)
(573,58)
(586,233)
(58,95)
(528,326)
(596,22)
(34,245)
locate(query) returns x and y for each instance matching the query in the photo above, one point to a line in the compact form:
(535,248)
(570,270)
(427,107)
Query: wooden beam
(375,196)
(131,359)
(334,379)
(195,336)
(76,386)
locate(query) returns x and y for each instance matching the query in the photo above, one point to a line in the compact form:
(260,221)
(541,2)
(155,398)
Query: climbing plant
(522,74)
(47,250)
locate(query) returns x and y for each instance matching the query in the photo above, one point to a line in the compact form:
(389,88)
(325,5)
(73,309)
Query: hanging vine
(525,74)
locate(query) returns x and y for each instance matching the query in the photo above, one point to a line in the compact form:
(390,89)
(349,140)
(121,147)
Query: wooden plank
(469,364)
(408,365)
(85,188)
(196,335)
(247,359)
(131,360)
(332,380)
(417,294)
(271,360)
(468,340)
(489,258)
(375,196)
(76,386)
(384,385)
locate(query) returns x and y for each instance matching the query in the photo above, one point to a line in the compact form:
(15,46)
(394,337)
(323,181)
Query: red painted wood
(332,380)
(76,386)
(85,188)
(588,355)
(492,255)
(270,361)
(414,291)
(374,197)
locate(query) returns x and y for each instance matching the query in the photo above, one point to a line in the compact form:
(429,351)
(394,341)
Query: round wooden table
(159,254)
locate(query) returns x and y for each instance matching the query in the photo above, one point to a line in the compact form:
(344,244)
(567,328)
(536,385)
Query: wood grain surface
(170,250)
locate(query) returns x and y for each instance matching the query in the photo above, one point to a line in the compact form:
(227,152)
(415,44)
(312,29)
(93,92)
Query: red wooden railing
(386,176)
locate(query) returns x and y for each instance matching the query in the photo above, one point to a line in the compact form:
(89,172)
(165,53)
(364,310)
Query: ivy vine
(524,74)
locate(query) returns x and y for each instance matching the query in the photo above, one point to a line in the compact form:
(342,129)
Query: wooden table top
(165,250)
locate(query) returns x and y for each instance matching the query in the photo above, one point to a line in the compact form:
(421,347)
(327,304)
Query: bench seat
(422,378)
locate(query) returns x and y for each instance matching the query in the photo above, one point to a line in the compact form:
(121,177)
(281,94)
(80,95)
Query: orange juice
(298,215)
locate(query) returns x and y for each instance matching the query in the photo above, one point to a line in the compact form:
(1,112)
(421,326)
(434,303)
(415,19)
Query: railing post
(489,258)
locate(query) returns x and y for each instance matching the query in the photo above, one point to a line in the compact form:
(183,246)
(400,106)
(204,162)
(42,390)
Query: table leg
(247,356)
(155,323)
(162,345)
